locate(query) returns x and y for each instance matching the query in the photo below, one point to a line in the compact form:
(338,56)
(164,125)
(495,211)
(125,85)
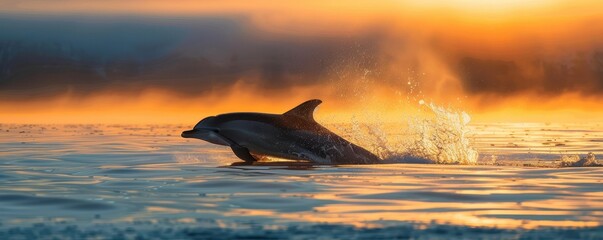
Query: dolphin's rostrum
(292,135)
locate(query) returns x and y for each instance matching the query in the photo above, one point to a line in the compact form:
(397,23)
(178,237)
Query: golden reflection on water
(149,172)
(502,212)
(346,214)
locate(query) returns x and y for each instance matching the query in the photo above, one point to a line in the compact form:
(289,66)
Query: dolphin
(293,135)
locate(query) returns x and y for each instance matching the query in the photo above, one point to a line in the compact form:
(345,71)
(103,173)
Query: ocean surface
(146,182)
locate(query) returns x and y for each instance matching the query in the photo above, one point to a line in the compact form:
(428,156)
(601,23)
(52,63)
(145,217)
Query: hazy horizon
(499,61)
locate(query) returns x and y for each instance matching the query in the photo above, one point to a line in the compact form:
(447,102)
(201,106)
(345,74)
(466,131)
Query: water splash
(575,161)
(441,136)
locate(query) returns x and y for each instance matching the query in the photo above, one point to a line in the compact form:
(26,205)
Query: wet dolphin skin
(292,135)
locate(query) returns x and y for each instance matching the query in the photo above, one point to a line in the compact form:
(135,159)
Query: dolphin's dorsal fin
(304,110)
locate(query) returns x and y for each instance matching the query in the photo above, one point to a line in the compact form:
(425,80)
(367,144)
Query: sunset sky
(161,61)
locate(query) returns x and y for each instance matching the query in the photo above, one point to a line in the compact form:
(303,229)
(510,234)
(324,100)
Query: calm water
(107,180)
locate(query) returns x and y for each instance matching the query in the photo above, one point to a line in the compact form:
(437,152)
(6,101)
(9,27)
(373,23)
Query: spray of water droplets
(438,137)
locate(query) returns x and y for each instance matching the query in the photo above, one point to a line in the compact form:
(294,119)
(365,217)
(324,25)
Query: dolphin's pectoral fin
(243,153)
(240,151)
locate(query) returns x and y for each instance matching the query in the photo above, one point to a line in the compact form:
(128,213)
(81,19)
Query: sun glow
(487,5)
(416,51)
